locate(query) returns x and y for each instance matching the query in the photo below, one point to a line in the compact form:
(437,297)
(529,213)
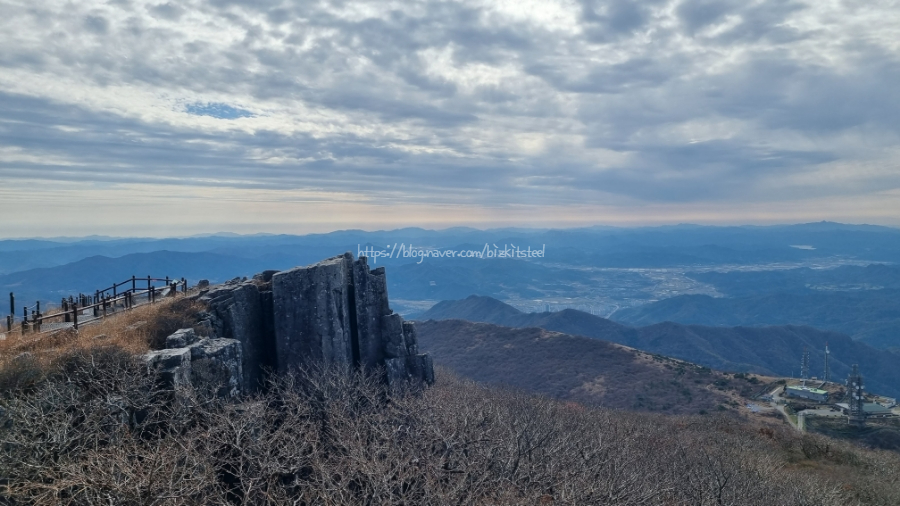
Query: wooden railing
(99,305)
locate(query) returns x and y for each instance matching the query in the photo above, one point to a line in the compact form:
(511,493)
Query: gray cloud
(96,24)
(691,101)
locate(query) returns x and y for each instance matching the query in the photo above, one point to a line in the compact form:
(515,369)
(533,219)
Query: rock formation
(216,363)
(241,310)
(335,311)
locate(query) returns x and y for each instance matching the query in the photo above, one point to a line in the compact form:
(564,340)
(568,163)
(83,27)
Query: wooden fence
(98,305)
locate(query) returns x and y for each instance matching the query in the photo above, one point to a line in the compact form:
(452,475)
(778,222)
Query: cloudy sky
(145,118)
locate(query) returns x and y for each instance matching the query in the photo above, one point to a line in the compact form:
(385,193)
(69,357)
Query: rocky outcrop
(217,365)
(335,311)
(182,338)
(312,314)
(242,310)
(212,364)
(172,366)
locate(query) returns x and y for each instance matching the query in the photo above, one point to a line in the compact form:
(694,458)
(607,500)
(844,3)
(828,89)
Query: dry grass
(135,331)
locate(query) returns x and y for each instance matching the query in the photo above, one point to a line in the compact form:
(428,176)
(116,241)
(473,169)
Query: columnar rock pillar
(312,313)
(337,311)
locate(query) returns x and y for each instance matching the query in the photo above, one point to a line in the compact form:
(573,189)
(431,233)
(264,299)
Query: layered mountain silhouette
(772,350)
(870,316)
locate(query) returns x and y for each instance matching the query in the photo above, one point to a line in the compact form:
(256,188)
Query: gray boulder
(409,370)
(181,338)
(216,365)
(172,366)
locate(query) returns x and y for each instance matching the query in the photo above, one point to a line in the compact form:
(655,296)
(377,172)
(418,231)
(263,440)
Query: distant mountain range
(580,369)
(681,245)
(871,316)
(773,350)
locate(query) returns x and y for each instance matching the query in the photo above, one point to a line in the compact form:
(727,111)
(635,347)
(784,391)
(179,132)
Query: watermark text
(402,250)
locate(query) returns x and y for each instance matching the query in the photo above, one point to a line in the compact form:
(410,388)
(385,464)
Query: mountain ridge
(770,350)
(581,369)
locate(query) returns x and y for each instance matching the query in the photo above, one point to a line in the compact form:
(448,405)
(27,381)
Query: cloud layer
(494,105)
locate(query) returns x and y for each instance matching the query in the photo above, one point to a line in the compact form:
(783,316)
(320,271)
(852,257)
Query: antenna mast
(856,398)
(804,366)
(827,371)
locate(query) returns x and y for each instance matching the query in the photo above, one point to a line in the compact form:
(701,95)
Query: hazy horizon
(221,233)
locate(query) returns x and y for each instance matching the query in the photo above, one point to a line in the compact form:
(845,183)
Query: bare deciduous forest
(90,425)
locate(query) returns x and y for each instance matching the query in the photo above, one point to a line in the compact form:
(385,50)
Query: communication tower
(827,370)
(804,366)
(856,398)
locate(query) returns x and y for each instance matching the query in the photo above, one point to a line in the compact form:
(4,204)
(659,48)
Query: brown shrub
(97,430)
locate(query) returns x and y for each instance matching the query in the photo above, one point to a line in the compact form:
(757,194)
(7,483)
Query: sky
(145,118)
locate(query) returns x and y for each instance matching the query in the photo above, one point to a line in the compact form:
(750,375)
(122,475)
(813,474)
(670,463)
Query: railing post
(183,285)
(133,284)
(75,315)
(65,307)
(114,290)
(103,303)
(12,303)
(9,320)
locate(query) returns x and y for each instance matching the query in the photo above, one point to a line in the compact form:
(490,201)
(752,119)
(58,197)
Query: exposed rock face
(181,338)
(409,369)
(239,310)
(335,311)
(173,366)
(207,363)
(312,314)
(218,362)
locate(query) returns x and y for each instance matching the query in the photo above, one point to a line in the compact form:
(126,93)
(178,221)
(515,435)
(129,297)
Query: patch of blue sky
(217,110)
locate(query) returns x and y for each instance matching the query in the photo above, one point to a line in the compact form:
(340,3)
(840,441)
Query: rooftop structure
(871,409)
(805,392)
